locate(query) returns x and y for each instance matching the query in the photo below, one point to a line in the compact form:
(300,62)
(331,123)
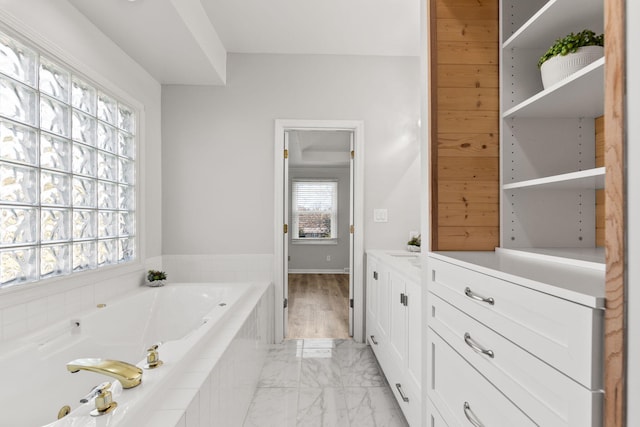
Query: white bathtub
(181,317)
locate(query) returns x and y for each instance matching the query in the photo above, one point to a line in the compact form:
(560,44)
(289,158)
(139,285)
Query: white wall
(314,257)
(59,28)
(633,213)
(218,146)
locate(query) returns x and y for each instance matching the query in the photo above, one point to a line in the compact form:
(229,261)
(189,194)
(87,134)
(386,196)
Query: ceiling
(319,148)
(187,41)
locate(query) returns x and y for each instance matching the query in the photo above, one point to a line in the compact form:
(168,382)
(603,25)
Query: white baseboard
(313,271)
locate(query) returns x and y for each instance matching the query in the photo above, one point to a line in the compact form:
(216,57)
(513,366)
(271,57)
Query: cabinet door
(384,305)
(372,295)
(414,333)
(398,327)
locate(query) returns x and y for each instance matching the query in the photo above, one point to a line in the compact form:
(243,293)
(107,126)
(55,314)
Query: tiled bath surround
(216,384)
(33,306)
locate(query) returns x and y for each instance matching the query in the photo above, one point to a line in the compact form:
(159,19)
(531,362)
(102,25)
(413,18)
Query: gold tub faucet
(129,375)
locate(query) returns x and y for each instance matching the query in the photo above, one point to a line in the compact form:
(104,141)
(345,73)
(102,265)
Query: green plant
(571,43)
(415,241)
(154,275)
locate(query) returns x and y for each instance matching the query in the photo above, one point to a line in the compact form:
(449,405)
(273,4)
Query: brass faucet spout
(129,375)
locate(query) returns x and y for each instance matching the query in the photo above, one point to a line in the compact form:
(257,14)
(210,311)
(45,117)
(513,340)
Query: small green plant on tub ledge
(156,278)
(413,245)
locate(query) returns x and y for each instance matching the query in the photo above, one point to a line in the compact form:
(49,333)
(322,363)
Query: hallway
(319,382)
(318,306)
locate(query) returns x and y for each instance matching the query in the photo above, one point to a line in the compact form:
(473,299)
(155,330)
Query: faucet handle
(95,392)
(103,399)
(153,358)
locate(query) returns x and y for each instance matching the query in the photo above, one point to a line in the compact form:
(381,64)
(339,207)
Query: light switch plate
(380,215)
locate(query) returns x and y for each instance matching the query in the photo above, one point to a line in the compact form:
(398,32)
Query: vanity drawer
(460,392)
(566,335)
(543,393)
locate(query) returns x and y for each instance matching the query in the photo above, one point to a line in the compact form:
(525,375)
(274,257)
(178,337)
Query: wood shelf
(580,95)
(556,19)
(590,179)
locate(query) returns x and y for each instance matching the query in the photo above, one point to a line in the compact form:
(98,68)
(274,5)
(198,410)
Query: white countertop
(578,284)
(405,262)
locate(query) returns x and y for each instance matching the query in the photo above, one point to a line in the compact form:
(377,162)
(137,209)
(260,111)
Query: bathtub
(179,318)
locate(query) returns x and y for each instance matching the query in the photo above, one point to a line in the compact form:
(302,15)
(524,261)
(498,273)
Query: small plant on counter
(415,241)
(155,275)
(413,245)
(571,43)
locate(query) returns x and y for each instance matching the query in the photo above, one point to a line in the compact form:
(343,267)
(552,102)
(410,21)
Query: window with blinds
(67,170)
(314,206)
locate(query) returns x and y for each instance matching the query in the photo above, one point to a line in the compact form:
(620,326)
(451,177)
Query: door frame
(357,275)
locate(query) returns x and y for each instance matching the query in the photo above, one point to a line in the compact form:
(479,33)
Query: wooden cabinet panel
(468,238)
(466,9)
(468,192)
(467,75)
(466,30)
(480,168)
(468,214)
(468,145)
(479,99)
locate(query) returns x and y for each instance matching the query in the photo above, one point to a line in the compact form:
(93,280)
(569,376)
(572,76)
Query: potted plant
(568,55)
(156,278)
(413,245)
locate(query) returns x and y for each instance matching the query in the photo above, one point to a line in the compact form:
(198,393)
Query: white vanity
(512,341)
(394,319)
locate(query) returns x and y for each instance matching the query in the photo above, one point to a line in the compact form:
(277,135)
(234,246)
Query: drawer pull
(477,348)
(373,339)
(399,387)
(468,292)
(471,416)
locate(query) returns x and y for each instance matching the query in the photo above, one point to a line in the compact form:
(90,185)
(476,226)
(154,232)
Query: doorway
(317,165)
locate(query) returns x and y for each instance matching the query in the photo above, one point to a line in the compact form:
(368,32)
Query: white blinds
(314,209)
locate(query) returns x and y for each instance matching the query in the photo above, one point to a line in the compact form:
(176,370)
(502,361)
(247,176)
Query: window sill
(314,241)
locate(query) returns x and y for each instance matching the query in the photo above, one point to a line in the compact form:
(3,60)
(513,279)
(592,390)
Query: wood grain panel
(468,145)
(469,121)
(469,168)
(458,30)
(467,53)
(486,192)
(468,75)
(479,99)
(467,9)
(468,238)
(614,158)
(468,214)
(465,124)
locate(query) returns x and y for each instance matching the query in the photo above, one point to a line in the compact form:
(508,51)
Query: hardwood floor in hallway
(318,306)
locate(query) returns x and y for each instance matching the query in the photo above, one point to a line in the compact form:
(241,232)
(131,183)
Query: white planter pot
(560,67)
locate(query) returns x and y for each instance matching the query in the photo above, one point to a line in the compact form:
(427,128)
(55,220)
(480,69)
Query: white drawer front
(543,393)
(434,419)
(566,335)
(454,383)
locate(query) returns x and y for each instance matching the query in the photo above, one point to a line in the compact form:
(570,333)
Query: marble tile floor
(323,382)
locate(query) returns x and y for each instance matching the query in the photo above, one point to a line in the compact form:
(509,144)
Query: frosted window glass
(54,260)
(84,160)
(17,226)
(54,80)
(18,143)
(55,152)
(54,117)
(84,224)
(17,61)
(55,225)
(18,266)
(83,128)
(55,189)
(83,96)
(84,256)
(17,101)
(84,192)
(19,184)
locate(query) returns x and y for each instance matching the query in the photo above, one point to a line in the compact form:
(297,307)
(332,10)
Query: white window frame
(295,238)
(43,49)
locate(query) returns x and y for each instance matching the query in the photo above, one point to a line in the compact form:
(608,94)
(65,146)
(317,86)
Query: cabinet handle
(477,348)
(468,292)
(373,339)
(399,387)
(375,275)
(402,298)
(471,416)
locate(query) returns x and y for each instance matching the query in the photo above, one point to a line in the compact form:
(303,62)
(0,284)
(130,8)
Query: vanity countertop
(405,262)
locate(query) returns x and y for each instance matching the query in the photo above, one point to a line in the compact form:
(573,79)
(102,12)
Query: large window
(314,210)
(67,170)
